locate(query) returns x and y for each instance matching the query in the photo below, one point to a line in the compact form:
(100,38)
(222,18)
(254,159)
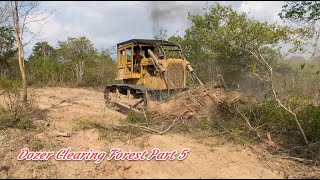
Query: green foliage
(82,124)
(42,49)
(301,11)
(7,120)
(101,71)
(44,71)
(7,42)
(135,118)
(24,124)
(204,125)
(310,119)
(78,53)
(269,112)
(7,52)
(74,62)
(108,132)
(10,86)
(223,41)
(270,117)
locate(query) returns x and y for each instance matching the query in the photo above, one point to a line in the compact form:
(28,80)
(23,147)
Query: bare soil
(208,158)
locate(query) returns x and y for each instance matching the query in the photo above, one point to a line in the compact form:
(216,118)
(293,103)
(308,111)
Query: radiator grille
(176,75)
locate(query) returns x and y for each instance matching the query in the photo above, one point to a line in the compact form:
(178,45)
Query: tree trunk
(15,16)
(77,73)
(81,70)
(23,75)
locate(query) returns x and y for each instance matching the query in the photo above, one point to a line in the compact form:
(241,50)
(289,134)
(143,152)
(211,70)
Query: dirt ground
(208,158)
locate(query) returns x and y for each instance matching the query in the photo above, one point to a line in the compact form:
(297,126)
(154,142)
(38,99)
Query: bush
(270,117)
(135,118)
(24,123)
(310,121)
(9,120)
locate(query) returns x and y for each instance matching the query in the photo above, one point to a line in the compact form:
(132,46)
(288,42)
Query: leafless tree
(4,15)
(22,14)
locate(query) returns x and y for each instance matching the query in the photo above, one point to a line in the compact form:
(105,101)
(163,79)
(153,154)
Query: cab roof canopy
(151,42)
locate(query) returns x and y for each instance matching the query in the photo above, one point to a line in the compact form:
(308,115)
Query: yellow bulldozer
(147,70)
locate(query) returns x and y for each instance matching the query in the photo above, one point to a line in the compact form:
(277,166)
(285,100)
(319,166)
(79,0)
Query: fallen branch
(144,128)
(61,134)
(144,113)
(169,126)
(191,111)
(247,120)
(259,157)
(224,83)
(297,159)
(213,96)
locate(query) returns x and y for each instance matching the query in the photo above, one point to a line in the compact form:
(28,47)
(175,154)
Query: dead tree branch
(279,102)
(251,127)
(222,79)
(261,59)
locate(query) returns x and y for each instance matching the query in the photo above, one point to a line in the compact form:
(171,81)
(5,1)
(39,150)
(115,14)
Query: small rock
(117,166)
(127,166)
(63,134)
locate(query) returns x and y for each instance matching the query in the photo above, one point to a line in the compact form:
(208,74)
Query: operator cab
(134,59)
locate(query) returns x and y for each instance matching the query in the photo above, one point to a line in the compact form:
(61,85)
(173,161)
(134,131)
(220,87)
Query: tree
(4,15)
(218,42)
(17,29)
(78,52)
(42,49)
(100,71)
(22,14)
(307,14)
(7,49)
(301,11)
(227,42)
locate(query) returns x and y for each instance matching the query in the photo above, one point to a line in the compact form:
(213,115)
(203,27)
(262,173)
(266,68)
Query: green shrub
(310,121)
(24,124)
(10,86)
(271,117)
(9,120)
(135,118)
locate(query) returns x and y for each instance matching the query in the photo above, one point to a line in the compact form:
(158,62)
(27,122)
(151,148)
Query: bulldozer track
(126,97)
(114,97)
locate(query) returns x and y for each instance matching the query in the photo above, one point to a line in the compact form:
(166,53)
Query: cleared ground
(208,158)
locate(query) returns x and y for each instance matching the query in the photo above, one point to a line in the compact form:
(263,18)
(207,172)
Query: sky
(107,23)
